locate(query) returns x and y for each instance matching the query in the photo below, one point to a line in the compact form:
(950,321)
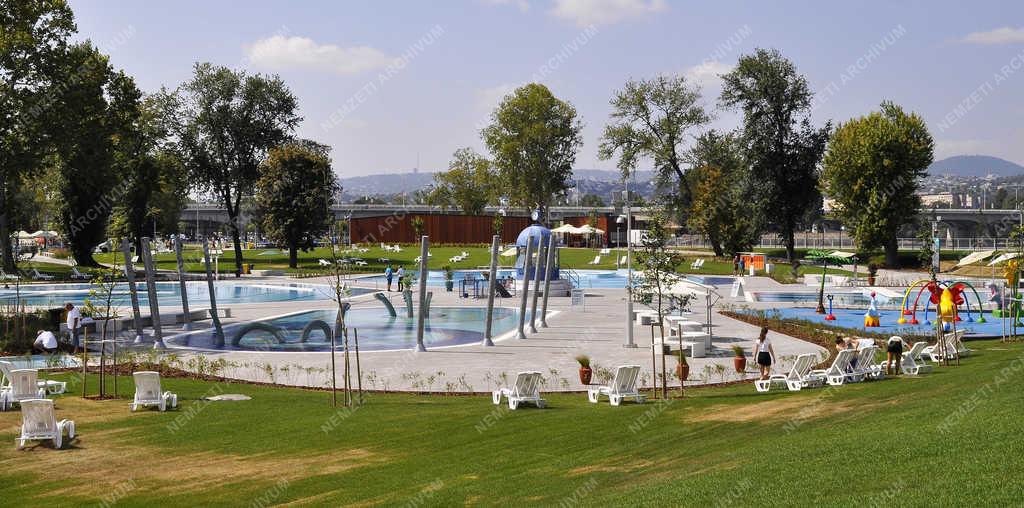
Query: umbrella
(24,235)
(587,229)
(1004,257)
(566,228)
(975,257)
(49,235)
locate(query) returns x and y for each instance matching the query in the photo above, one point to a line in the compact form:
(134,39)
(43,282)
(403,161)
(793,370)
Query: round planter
(449,285)
(585,374)
(740,364)
(683,371)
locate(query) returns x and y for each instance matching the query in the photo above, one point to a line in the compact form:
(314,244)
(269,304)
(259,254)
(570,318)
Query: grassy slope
(819,446)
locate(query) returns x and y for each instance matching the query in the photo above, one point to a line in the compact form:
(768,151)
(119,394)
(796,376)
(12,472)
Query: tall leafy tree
(468,184)
(872,170)
(783,149)
(229,121)
(533,138)
(294,193)
(651,119)
(83,144)
(721,195)
(33,37)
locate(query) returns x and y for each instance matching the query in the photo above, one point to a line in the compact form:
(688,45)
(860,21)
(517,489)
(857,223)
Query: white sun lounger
(148,393)
(835,375)
(24,386)
(75,274)
(623,260)
(596,261)
(799,376)
(324,262)
(526,389)
(5,276)
(51,387)
(39,423)
(622,387)
(913,362)
(40,276)
(868,366)
(952,349)
(605,251)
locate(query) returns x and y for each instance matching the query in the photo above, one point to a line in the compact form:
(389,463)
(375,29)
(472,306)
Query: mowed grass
(951,438)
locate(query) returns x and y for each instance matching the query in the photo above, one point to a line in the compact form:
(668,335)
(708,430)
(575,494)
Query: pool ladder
(573,276)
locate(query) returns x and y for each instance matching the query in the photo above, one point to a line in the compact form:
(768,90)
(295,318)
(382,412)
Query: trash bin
(55,314)
(247,268)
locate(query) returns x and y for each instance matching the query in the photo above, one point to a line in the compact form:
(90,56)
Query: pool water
(42,362)
(598,279)
(847,299)
(169,293)
(377,330)
(854,318)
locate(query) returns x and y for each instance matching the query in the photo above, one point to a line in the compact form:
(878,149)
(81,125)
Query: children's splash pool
(378,330)
(854,318)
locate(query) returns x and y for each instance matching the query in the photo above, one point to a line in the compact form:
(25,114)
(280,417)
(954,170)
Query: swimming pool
(169,293)
(845,299)
(581,278)
(854,318)
(378,331)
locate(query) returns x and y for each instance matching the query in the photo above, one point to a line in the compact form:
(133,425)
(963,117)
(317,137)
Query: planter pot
(683,371)
(740,364)
(585,375)
(449,285)
(871,280)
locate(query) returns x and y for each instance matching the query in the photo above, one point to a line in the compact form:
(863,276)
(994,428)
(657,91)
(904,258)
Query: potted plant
(682,369)
(872,272)
(449,278)
(739,362)
(585,371)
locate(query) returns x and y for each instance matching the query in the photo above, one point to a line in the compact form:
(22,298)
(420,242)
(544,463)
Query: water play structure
(945,298)
(872,318)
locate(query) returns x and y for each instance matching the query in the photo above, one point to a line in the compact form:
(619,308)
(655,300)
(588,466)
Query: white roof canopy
(974,257)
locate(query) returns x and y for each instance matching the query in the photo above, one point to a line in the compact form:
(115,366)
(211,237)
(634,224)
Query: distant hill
(975,165)
(392,183)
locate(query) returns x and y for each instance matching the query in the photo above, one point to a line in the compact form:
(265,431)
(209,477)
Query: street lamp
(629,268)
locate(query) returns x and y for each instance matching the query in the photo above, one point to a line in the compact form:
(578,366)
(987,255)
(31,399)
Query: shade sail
(974,257)
(1003,257)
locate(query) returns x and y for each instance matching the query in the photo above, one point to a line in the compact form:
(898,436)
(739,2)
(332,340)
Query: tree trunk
(5,236)
(236,238)
(787,239)
(293,257)
(892,252)
(83,255)
(716,244)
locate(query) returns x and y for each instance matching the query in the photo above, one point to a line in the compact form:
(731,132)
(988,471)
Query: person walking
(74,322)
(401,277)
(389,274)
(765,353)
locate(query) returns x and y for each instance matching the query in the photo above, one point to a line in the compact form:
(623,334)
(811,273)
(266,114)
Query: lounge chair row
(849,366)
(462,256)
(527,389)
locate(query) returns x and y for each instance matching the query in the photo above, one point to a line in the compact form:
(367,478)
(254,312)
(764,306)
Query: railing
(841,242)
(573,277)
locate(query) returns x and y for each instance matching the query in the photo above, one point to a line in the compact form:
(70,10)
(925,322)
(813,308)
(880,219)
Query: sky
(395,85)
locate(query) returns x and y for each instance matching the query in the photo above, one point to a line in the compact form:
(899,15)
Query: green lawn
(951,437)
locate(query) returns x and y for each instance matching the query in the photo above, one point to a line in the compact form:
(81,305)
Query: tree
(533,138)
(468,184)
(721,195)
(83,148)
(33,38)
(229,121)
(592,200)
(294,192)
(650,119)
(872,169)
(782,148)
(417,228)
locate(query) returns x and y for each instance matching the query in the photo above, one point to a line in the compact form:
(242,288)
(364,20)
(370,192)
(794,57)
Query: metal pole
(218,331)
(186,317)
(629,278)
(154,304)
(129,274)
(421,319)
(526,286)
(491,286)
(547,280)
(537,269)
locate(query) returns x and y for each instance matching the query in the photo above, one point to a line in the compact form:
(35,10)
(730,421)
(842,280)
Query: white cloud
(279,52)
(707,74)
(489,98)
(523,5)
(604,12)
(1003,35)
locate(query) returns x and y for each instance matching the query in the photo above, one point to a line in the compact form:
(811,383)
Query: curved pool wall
(169,293)
(595,279)
(378,330)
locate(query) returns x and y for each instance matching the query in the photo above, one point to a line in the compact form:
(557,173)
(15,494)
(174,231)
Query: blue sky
(387,82)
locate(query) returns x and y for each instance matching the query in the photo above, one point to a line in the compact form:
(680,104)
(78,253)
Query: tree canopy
(651,119)
(229,121)
(533,138)
(721,205)
(294,193)
(872,169)
(469,183)
(783,149)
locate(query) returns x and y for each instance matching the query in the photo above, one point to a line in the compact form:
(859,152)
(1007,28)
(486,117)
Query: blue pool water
(846,299)
(169,293)
(854,318)
(378,331)
(586,278)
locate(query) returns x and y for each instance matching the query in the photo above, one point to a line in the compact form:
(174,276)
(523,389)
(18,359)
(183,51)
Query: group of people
(46,340)
(765,353)
(390,274)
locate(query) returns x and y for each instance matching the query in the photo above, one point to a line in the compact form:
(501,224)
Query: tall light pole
(629,270)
